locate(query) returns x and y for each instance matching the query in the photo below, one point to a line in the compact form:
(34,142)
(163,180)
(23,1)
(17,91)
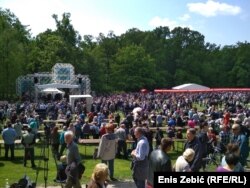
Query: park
(167,89)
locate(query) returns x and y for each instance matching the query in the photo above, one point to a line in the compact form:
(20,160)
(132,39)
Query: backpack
(81,169)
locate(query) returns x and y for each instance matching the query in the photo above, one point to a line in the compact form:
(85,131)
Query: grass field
(14,170)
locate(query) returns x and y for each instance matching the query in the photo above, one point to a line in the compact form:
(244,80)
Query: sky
(223,22)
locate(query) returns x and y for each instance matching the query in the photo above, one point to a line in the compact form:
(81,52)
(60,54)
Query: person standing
(73,159)
(224,138)
(55,142)
(122,137)
(159,161)
(233,148)
(18,128)
(226,118)
(140,158)
(62,142)
(158,136)
(33,124)
(203,138)
(9,135)
(107,149)
(193,142)
(242,140)
(232,160)
(28,140)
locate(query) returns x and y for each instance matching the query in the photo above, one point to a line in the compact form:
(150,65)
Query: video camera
(47,130)
(25,127)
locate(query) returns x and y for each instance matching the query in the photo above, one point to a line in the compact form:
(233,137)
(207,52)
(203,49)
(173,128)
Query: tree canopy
(161,58)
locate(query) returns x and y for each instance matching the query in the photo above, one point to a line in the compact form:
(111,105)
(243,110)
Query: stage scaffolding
(62,76)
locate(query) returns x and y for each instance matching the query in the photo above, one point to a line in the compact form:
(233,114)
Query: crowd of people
(223,122)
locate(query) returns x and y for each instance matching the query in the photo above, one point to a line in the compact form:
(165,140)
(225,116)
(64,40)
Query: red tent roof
(201,90)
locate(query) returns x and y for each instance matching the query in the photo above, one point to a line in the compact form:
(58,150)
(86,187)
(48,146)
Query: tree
(13,51)
(185,50)
(240,72)
(109,47)
(59,46)
(133,70)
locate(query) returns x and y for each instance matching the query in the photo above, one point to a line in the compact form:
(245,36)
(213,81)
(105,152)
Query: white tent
(44,88)
(57,85)
(89,101)
(190,86)
(52,91)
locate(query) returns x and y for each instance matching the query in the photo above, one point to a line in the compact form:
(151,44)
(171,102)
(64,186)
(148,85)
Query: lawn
(14,170)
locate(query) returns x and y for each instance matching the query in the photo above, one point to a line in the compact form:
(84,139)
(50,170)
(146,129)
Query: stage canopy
(57,85)
(52,91)
(190,86)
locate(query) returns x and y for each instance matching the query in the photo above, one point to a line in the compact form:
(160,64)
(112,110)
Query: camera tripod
(57,168)
(44,156)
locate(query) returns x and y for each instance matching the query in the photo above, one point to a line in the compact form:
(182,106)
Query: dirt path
(118,184)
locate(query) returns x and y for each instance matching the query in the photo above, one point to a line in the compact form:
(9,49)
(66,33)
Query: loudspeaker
(80,80)
(35,80)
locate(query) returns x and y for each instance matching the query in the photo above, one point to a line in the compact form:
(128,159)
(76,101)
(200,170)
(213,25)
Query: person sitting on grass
(61,175)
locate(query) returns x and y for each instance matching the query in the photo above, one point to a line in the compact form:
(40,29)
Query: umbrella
(137,109)
(144,90)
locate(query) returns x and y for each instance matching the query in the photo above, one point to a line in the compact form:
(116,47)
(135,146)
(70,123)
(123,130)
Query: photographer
(18,128)
(28,141)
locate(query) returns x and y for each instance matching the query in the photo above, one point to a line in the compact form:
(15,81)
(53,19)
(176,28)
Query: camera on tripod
(44,155)
(25,127)
(47,130)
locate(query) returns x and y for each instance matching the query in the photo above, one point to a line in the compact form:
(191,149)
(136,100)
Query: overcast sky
(222,22)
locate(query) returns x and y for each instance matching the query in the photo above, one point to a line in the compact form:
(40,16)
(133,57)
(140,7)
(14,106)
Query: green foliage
(13,51)
(161,58)
(134,69)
